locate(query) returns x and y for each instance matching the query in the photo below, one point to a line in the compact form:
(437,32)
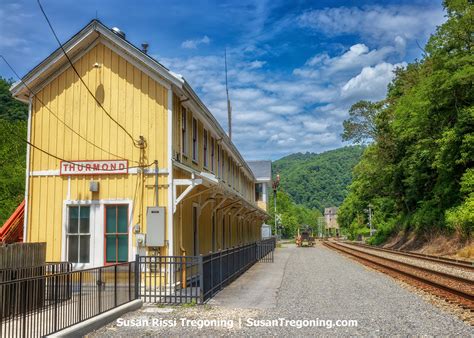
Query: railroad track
(437,259)
(454,289)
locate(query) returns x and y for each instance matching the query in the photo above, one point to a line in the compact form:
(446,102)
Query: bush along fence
(42,300)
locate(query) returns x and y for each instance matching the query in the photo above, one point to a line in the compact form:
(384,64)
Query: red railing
(12,229)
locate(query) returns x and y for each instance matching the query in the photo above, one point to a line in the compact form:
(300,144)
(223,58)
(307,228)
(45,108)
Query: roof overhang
(75,46)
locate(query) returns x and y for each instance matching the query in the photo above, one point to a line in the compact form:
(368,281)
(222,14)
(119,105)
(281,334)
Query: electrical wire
(80,78)
(55,115)
(67,161)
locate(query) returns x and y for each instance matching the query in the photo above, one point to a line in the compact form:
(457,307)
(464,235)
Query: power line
(67,161)
(55,115)
(80,78)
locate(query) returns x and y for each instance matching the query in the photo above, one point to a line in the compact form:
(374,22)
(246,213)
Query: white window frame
(213,153)
(184,131)
(205,144)
(219,159)
(195,140)
(97,230)
(78,233)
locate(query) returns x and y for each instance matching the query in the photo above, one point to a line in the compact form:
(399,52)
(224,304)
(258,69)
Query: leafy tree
(12,167)
(10,109)
(360,126)
(417,173)
(12,151)
(292,215)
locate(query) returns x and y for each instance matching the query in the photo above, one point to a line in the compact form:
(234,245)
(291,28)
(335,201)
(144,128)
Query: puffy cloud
(193,44)
(375,22)
(323,66)
(275,112)
(371,83)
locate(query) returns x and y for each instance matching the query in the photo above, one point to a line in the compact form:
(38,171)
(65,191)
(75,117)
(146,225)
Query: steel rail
(443,260)
(359,254)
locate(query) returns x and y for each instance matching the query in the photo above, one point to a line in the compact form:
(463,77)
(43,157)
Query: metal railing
(33,271)
(185,279)
(222,267)
(39,301)
(265,250)
(41,305)
(169,279)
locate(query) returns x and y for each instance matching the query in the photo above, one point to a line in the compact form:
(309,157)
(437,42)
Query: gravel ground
(317,284)
(455,271)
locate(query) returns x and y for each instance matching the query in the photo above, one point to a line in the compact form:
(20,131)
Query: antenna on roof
(229,107)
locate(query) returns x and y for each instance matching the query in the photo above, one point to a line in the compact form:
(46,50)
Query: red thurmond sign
(93,167)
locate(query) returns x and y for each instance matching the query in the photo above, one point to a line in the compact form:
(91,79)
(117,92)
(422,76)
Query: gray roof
(262,170)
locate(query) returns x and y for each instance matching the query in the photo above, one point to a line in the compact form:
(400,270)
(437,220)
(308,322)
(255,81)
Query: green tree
(361,125)
(318,180)
(417,172)
(292,215)
(10,109)
(12,167)
(12,151)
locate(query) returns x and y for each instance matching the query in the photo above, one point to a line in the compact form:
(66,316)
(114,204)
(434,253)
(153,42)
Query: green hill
(318,180)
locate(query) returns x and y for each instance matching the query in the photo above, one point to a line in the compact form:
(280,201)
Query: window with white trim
(78,234)
(184,131)
(212,153)
(116,233)
(195,140)
(204,147)
(223,165)
(219,171)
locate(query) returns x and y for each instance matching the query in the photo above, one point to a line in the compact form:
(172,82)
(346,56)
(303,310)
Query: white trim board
(131,171)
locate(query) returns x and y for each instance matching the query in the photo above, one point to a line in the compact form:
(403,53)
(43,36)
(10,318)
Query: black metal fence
(39,301)
(42,305)
(265,250)
(10,274)
(184,279)
(170,279)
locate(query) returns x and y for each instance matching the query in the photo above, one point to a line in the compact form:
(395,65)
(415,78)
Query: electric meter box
(155,226)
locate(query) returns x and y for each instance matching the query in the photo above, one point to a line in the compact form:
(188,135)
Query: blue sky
(295,67)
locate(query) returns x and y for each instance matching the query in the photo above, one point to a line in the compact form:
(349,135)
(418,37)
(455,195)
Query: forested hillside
(318,180)
(418,173)
(13,115)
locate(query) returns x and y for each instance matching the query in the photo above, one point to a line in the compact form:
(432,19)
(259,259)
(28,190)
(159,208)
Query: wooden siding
(134,99)
(235,178)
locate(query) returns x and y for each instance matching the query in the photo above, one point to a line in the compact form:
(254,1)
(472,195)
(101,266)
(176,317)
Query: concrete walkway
(312,284)
(257,288)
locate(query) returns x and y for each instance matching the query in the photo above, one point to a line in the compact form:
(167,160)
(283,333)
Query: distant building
(330,219)
(262,170)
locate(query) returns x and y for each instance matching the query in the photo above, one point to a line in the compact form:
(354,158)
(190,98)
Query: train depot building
(136,165)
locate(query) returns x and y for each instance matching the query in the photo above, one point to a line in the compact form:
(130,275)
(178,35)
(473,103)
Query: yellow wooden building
(126,159)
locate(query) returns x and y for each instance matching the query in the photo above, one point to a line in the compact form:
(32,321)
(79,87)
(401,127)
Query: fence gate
(170,279)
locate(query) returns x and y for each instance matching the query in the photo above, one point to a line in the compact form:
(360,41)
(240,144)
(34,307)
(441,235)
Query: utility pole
(229,107)
(275,185)
(369,211)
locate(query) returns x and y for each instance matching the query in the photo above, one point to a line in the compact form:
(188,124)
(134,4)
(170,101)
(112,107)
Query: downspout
(181,247)
(170,173)
(27,174)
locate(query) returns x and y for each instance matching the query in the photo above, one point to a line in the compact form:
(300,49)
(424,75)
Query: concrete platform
(246,291)
(307,284)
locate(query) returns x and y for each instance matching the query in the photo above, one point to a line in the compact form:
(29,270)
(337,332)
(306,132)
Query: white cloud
(323,66)
(277,113)
(375,22)
(371,83)
(194,44)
